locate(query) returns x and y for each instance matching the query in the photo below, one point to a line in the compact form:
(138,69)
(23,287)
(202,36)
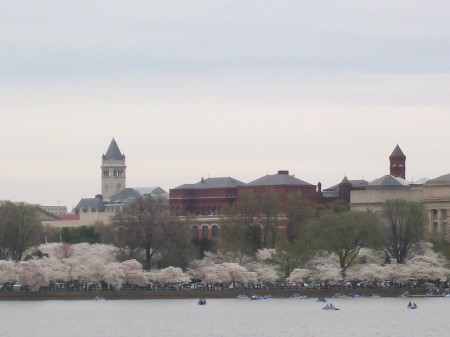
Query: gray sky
(192,89)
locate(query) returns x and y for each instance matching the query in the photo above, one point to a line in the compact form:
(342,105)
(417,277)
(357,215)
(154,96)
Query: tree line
(145,230)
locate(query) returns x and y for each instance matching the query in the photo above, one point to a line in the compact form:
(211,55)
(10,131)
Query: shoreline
(180,294)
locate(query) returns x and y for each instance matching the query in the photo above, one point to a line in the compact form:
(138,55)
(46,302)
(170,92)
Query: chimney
(283,172)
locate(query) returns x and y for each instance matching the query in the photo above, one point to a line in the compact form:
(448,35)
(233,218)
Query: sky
(213,88)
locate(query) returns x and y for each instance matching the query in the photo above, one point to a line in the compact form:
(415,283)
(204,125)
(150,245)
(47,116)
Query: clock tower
(113,171)
(397,163)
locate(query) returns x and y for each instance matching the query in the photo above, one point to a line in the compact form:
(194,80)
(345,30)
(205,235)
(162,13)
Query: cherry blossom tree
(133,272)
(299,275)
(265,273)
(32,275)
(172,275)
(429,264)
(8,272)
(265,254)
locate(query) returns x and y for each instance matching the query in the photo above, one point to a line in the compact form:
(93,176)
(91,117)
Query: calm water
(225,317)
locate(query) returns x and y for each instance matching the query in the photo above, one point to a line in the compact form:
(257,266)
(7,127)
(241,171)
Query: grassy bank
(176,294)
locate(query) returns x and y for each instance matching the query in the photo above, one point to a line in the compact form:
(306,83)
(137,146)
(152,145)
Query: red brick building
(207,197)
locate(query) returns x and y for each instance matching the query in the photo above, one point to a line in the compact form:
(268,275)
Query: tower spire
(113,171)
(397,161)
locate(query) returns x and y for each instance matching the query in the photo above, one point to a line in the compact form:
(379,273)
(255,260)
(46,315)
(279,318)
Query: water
(225,317)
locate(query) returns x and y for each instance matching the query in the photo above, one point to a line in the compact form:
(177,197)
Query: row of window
(112,173)
(210,210)
(206,232)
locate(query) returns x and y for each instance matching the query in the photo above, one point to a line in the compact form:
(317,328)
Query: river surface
(362,317)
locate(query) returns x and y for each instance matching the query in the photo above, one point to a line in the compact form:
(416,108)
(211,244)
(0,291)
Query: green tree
(89,234)
(20,229)
(404,223)
(345,233)
(290,255)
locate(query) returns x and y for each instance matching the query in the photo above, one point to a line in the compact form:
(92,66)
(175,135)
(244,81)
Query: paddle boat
(202,301)
(356,296)
(330,307)
(412,305)
(241,296)
(260,297)
(302,297)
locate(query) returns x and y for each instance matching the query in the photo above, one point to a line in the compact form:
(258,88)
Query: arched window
(195,232)
(204,232)
(215,231)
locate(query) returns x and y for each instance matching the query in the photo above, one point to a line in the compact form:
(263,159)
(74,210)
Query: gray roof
(345,180)
(130,194)
(333,191)
(282,178)
(113,152)
(389,181)
(221,182)
(90,204)
(442,179)
(397,152)
(354,183)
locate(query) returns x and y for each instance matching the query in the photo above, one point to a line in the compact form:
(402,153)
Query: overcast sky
(192,89)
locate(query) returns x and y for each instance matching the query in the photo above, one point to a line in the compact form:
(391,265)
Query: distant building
(115,194)
(206,197)
(113,171)
(344,189)
(56,210)
(397,163)
(433,194)
(436,199)
(130,194)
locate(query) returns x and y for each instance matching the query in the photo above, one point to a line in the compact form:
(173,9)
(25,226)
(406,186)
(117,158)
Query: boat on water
(373,295)
(260,297)
(99,298)
(330,307)
(339,295)
(412,305)
(299,296)
(357,296)
(241,296)
(321,299)
(202,301)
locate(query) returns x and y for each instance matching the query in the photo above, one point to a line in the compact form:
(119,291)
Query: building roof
(113,152)
(333,191)
(130,194)
(90,205)
(388,181)
(397,152)
(439,180)
(282,178)
(221,182)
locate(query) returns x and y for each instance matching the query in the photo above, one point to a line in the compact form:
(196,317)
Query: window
(195,232)
(205,232)
(215,231)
